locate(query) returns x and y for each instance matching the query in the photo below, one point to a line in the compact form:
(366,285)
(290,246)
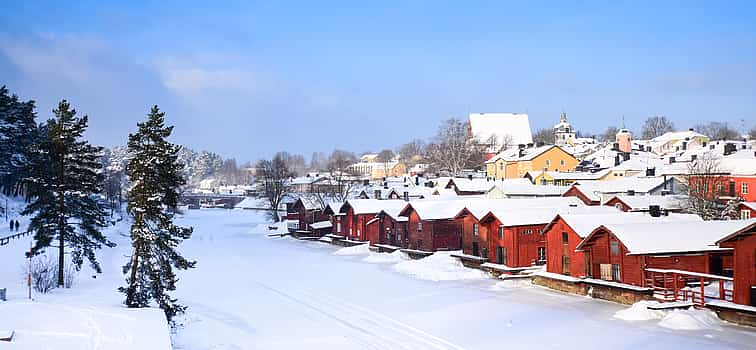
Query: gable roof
(367,206)
(531,190)
(516,154)
(749,228)
(543,215)
(485,125)
(479,209)
(594,188)
(673,202)
(671,236)
(584,223)
(470,185)
(437,209)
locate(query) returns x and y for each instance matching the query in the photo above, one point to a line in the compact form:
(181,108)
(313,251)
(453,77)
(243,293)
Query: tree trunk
(61,242)
(132,281)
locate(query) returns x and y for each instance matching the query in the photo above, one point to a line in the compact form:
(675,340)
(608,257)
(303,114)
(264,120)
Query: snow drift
(691,320)
(362,249)
(386,258)
(440,266)
(640,312)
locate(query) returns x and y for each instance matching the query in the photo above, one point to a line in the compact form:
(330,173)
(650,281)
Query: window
(719,188)
(501,166)
(388,234)
(565,238)
(419,227)
(338,226)
(606,272)
(565,265)
(744,188)
(614,245)
(527,231)
(618,206)
(616,272)
(501,255)
(398,236)
(745,214)
(548,162)
(475,230)
(541,256)
(561,162)
(501,232)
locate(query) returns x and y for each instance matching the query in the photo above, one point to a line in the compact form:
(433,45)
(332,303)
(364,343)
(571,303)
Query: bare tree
(297,164)
(656,126)
(752,133)
(412,152)
(318,161)
(385,156)
(544,136)
(341,177)
(717,131)
(452,150)
(609,135)
(273,178)
(705,184)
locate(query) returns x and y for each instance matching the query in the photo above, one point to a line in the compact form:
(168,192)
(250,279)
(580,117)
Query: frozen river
(254,292)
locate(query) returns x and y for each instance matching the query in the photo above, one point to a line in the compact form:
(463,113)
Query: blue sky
(247,79)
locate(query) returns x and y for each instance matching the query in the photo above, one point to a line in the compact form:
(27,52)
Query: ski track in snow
(377,325)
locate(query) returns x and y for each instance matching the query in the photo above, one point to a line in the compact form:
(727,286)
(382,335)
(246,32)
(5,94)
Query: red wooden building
(622,252)
(354,216)
(516,237)
(666,203)
(747,210)
(567,230)
(387,227)
(743,243)
(587,198)
(431,224)
(303,212)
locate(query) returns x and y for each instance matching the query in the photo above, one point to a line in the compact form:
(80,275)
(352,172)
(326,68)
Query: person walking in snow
(11,225)
(17,225)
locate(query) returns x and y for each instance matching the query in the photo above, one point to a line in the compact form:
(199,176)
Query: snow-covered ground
(251,291)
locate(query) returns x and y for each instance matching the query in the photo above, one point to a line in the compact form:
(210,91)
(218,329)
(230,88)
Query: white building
(499,129)
(563,131)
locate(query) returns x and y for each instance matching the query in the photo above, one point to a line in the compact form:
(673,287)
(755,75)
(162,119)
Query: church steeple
(563,117)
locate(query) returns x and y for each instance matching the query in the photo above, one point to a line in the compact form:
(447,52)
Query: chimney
(693,157)
(469,177)
(616,160)
(365,182)
(630,192)
(654,210)
(703,144)
(626,156)
(377,194)
(690,129)
(685,145)
(521,146)
(651,172)
(730,148)
(385,184)
(417,180)
(671,160)
(406,196)
(615,146)
(521,153)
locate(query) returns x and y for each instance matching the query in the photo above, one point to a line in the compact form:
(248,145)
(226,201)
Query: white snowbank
(512,283)
(440,266)
(362,249)
(386,258)
(640,312)
(691,319)
(40,325)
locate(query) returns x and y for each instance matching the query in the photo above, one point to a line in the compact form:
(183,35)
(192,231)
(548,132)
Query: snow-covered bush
(44,274)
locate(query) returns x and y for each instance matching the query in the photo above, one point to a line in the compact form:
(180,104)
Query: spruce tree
(17,134)
(155,175)
(64,177)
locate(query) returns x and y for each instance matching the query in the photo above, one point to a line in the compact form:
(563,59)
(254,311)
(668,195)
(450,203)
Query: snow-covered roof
(677,135)
(372,206)
(479,209)
(320,225)
(249,203)
(531,190)
(516,154)
(517,125)
(439,209)
(671,202)
(575,175)
(671,236)
(584,223)
(750,205)
(738,166)
(471,185)
(543,215)
(309,203)
(594,188)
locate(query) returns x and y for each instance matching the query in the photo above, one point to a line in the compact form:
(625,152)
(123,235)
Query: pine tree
(17,131)
(155,174)
(64,177)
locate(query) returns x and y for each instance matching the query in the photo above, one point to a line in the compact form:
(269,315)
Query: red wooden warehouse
(743,243)
(432,226)
(387,227)
(355,214)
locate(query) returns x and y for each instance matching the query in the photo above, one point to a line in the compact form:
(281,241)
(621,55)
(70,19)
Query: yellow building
(540,177)
(379,170)
(515,163)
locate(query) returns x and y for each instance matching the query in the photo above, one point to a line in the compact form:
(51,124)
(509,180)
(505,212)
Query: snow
(361,249)
(253,292)
(386,258)
(691,319)
(439,266)
(673,236)
(640,312)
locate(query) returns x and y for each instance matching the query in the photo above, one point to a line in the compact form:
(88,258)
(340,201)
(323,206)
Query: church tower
(624,138)
(563,131)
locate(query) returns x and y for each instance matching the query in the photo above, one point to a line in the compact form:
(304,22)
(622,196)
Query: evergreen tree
(17,131)
(155,174)
(64,176)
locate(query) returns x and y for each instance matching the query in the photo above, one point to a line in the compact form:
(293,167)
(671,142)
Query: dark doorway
(715,265)
(475,249)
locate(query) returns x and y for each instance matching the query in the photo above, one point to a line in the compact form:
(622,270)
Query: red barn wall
(744,267)
(555,249)
(574,192)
